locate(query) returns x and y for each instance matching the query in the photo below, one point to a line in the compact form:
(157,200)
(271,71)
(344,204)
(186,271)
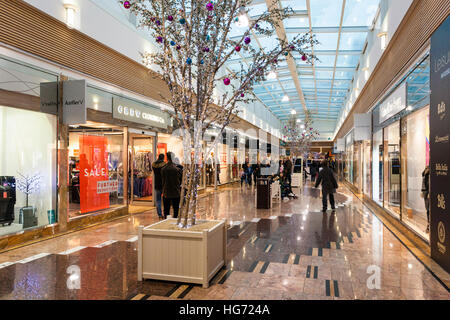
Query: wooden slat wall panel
(33,31)
(419,23)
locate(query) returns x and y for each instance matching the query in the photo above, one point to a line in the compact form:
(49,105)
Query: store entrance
(141,152)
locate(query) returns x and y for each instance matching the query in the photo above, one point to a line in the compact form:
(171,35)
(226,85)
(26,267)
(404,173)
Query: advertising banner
(93,173)
(440,146)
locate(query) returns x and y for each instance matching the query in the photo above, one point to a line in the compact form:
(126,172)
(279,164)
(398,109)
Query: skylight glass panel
(325,60)
(294,4)
(327,41)
(353,41)
(360,12)
(296,22)
(347,61)
(325,13)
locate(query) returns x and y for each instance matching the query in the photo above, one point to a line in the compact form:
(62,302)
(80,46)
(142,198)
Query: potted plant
(28,184)
(193,46)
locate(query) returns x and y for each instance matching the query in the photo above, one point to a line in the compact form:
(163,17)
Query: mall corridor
(292,252)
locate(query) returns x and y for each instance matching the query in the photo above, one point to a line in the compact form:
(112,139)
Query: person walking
(157,166)
(313,170)
(171,186)
(329,186)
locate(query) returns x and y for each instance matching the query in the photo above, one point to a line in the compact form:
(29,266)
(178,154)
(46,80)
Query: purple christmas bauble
(170,18)
(226,81)
(304,58)
(247,40)
(158,22)
(242,95)
(210,6)
(127,4)
(178,47)
(205,49)
(292,47)
(257,25)
(159,39)
(238,48)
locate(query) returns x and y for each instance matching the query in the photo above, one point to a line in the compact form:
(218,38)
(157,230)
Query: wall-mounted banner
(125,109)
(393,104)
(440,146)
(74,102)
(93,170)
(363,126)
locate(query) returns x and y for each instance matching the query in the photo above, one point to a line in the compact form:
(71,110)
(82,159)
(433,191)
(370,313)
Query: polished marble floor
(292,251)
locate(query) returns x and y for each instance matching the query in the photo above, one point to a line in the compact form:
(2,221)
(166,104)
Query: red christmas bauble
(127,4)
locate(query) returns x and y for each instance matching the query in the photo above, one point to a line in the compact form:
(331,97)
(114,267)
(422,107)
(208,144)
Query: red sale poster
(93,169)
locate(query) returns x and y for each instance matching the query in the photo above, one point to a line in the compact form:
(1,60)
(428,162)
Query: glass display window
(28,169)
(95,168)
(415,137)
(377,167)
(367,161)
(358,166)
(392,165)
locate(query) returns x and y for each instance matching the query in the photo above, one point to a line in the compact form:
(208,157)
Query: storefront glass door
(391,146)
(141,173)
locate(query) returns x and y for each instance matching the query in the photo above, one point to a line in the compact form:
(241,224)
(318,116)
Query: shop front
(111,156)
(391,167)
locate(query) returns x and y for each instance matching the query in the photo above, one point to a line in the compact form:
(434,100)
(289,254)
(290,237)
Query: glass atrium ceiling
(341,27)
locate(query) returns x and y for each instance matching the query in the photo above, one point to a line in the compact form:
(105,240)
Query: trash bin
(263,193)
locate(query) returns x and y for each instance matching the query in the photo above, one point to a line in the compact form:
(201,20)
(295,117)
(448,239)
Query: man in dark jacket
(329,185)
(171,186)
(157,166)
(287,171)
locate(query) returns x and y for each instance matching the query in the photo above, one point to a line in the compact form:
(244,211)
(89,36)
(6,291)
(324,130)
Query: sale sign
(93,169)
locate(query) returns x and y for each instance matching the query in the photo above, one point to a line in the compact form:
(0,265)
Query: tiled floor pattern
(290,252)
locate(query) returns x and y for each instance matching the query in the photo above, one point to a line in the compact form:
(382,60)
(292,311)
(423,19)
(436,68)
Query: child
(242,174)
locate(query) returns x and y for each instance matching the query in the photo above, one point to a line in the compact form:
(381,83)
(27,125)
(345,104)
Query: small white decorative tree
(299,134)
(194,45)
(28,184)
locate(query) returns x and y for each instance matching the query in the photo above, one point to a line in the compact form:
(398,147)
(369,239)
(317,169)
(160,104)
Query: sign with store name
(440,146)
(393,104)
(74,102)
(108,186)
(49,97)
(124,109)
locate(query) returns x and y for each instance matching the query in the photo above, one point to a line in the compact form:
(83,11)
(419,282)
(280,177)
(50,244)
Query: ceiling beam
(281,33)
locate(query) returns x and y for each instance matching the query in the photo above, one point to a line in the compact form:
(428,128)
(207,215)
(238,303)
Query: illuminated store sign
(439,146)
(126,110)
(395,103)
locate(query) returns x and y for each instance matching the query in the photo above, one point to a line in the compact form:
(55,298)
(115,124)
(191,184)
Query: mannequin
(426,193)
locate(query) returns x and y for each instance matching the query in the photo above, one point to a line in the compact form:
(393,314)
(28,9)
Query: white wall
(27,145)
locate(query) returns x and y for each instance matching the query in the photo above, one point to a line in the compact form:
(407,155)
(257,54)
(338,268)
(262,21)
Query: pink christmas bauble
(226,81)
(127,4)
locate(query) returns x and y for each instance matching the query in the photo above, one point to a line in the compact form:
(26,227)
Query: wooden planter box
(191,255)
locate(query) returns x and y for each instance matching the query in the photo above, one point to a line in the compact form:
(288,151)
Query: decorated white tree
(194,45)
(299,134)
(28,184)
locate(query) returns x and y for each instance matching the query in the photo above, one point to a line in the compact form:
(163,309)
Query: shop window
(415,158)
(391,147)
(377,167)
(28,171)
(95,168)
(366,168)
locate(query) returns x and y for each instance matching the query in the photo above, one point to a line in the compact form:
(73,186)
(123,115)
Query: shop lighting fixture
(272,75)
(293,111)
(285,98)
(366,73)
(299,120)
(70,15)
(383,39)
(303,127)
